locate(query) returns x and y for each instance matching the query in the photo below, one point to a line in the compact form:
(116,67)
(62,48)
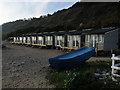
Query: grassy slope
(90,14)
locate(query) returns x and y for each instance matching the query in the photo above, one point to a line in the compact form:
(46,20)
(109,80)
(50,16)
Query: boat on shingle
(72,58)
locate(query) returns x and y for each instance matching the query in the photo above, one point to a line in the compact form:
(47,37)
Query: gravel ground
(99,59)
(26,67)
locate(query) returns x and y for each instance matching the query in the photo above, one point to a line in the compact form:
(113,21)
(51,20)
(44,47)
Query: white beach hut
(103,39)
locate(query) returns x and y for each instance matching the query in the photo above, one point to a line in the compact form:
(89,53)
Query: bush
(83,77)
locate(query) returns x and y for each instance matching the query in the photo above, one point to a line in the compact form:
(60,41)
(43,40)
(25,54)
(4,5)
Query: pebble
(26,64)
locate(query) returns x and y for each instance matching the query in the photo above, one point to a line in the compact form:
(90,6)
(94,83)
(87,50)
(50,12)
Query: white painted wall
(20,39)
(49,40)
(73,39)
(34,39)
(24,39)
(40,40)
(28,39)
(59,40)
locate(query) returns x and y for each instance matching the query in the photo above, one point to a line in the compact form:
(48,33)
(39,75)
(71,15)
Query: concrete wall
(111,40)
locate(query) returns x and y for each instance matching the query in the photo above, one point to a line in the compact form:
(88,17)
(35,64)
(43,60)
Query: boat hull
(72,58)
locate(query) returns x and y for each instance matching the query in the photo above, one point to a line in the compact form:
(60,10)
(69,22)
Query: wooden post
(96,50)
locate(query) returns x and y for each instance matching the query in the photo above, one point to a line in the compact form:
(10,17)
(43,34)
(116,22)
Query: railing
(115,66)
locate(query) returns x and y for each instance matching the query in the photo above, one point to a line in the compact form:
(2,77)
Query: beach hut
(41,40)
(61,39)
(104,39)
(28,39)
(11,40)
(24,39)
(74,39)
(49,39)
(33,39)
(15,40)
(20,39)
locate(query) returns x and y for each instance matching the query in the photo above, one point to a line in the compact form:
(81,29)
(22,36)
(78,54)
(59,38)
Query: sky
(11,10)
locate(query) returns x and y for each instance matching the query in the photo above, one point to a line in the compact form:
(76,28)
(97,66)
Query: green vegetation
(83,77)
(80,15)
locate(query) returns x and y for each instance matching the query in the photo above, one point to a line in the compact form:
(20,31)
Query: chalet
(49,39)
(104,39)
(40,40)
(61,39)
(20,40)
(15,39)
(28,39)
(74,39)
(24,39)
(33,39)
(11,39)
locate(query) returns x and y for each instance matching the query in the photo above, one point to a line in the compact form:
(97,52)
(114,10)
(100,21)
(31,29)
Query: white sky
(11,10)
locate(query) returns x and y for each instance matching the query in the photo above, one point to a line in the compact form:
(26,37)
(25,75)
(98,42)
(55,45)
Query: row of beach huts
(104,39)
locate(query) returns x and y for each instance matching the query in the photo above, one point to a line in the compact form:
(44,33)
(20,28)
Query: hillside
(80,15)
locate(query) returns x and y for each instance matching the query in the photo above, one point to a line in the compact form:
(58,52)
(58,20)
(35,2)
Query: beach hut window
(17,39)
(20,38)
(75,41)
(101,39)
(14,39)
(28,39)
(87,38)
(24,39)
(94,40)
(59,40)
(40,40)
(34,40)
(69,37)
(49,40)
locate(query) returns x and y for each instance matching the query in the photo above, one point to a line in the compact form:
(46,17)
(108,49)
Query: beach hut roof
(100,31)
(78,32)
(61,33)
(39,34)
(75,32)
(49,33)
(32,34)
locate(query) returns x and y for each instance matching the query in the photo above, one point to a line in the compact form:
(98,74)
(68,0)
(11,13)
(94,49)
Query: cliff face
(80,15)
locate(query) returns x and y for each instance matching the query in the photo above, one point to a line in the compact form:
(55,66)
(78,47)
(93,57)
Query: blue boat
(72,58)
